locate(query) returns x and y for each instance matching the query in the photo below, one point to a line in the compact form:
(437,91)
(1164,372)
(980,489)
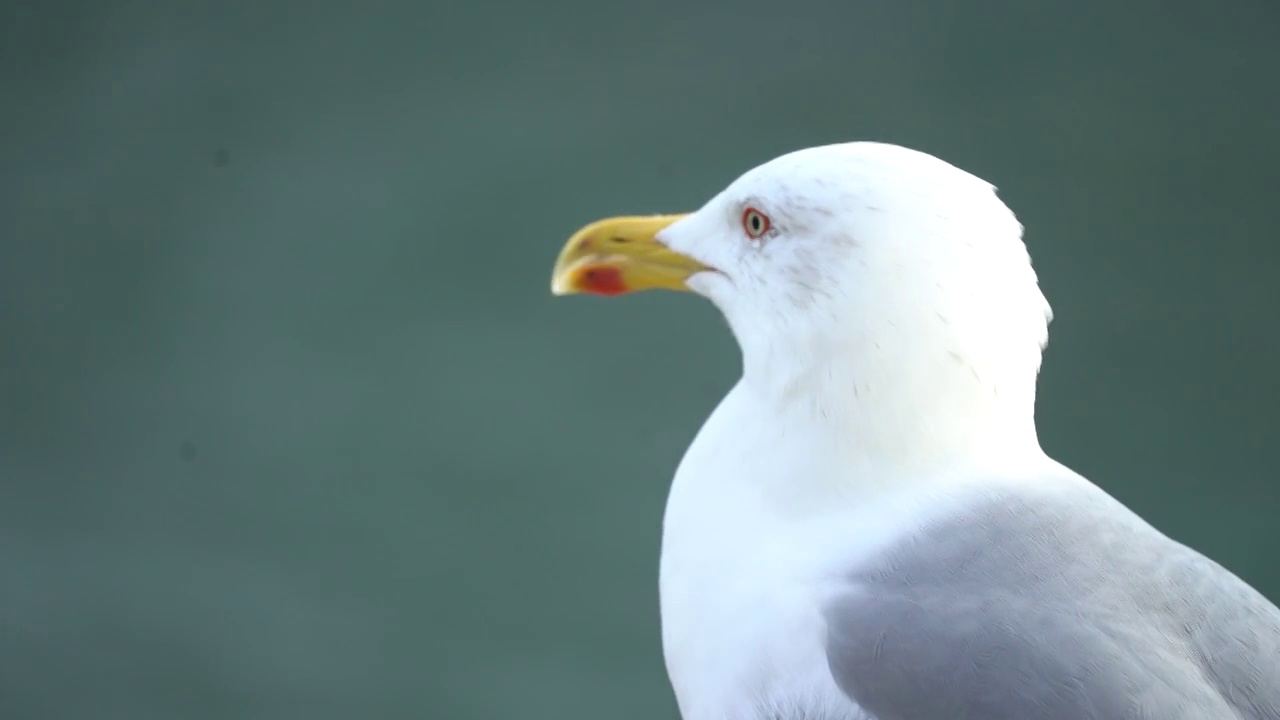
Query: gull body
(866,526)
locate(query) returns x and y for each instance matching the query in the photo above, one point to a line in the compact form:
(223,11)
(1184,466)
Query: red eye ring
(755,223)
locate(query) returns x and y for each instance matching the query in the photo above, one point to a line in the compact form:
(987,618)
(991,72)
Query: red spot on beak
(602,280)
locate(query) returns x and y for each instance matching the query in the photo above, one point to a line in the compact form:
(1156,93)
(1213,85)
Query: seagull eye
(755,223)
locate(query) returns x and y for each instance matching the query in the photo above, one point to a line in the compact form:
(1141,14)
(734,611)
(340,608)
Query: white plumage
(867,527)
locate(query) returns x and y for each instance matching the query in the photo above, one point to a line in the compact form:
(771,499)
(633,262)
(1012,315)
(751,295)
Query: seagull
(866,526)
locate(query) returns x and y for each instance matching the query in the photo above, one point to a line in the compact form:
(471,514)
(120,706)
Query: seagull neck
(911,416)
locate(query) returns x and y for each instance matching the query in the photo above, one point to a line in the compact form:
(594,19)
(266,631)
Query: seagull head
(867,273)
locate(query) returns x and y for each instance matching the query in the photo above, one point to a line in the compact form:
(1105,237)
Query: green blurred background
(290,426)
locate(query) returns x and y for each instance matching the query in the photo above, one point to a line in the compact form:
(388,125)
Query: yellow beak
(620,255)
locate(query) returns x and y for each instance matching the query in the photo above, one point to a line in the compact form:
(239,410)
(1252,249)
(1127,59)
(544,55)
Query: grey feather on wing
(1056,606)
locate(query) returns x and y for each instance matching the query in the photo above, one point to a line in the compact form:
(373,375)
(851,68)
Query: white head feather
(893,294)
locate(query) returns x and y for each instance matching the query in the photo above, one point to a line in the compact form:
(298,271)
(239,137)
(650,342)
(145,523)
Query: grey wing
(1055,605)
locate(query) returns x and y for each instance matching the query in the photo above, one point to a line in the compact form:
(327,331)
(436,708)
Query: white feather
(891,329)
